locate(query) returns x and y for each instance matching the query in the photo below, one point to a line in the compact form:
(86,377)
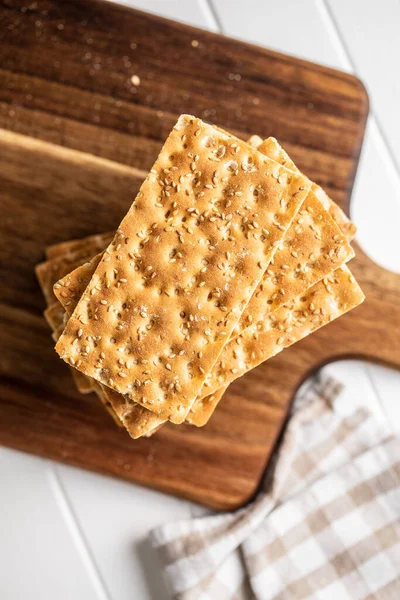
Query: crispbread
(307,254)
(181,264)
(139,421)
(52,270)
(254,346)
(328,299)
(271,148)
(69,289)
(297,265)
(96,243)
(54,315)
(236,359)
(84,384)
(300,250)
(312,248)
(47,274)
(203,408)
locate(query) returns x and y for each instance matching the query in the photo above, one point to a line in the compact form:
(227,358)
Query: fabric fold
(326,520)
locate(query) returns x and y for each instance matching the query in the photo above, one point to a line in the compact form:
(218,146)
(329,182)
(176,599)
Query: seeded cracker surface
(181,268)
(312,262)
(319,305)
(139,421)
(50,271)
(299,318)
(270,147)
(47,274)
(312,247)
(327,300)
(55,316)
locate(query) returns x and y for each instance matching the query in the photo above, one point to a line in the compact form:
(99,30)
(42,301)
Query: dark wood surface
(73,126)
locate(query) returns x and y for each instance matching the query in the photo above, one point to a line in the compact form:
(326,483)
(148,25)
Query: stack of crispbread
(227,256)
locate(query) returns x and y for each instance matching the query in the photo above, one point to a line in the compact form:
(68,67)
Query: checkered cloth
(325,526)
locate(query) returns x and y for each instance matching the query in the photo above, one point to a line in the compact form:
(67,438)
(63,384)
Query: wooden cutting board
(73,127)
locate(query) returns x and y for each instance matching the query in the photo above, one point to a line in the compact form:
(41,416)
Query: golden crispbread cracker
(302,274)
(84,384)
(103,399)
(139,421)
(271,148)
(96,243)
(181,268)
(50,271)
(47,273)
(328,299)
(69,289)
(312,248)
(54,315)
(203,408)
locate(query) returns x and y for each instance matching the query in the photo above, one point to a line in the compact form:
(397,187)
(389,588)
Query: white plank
(375,204)
(370,33)
(38,555)
(115,518)
(386,383)
(357,389)
(292,27)
(192,12)
(370,385)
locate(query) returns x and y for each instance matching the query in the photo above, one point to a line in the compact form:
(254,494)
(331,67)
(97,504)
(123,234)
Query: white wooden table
(70,534)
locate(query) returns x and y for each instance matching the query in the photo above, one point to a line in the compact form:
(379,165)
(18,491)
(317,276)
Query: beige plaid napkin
(325,526)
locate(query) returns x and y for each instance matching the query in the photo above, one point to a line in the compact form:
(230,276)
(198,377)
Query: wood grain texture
(76,140)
